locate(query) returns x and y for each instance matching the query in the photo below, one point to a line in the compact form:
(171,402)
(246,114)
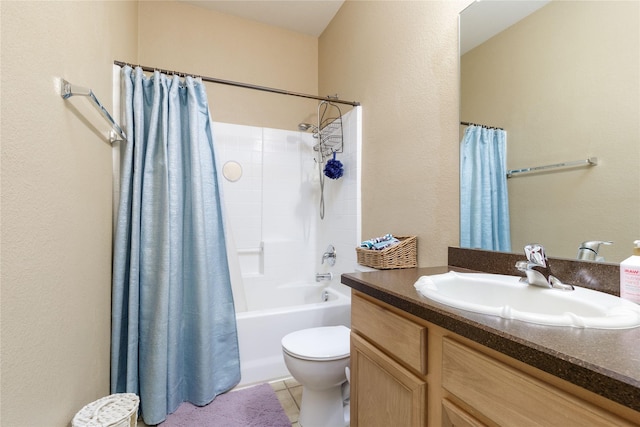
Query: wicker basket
(116,410)
(401,255)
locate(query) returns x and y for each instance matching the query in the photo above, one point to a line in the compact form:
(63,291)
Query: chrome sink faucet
(537,269)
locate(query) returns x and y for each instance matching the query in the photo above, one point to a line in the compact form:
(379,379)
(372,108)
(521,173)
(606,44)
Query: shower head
(306,126)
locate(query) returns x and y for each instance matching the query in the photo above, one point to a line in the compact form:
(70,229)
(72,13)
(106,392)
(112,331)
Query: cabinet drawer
(509,397)
(396,335)
(452,416)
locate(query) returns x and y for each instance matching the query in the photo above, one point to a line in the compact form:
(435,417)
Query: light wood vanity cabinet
(391,387)
(408,372)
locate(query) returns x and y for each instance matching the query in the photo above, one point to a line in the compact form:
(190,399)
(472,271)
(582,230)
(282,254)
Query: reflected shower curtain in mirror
(174,333)
(484,201)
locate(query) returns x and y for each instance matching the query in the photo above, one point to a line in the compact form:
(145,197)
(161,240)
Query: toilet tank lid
(327,342)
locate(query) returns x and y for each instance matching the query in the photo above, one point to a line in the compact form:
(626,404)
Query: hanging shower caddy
(330,141)
(330,135)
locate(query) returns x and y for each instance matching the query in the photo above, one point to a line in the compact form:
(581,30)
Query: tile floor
(289,392)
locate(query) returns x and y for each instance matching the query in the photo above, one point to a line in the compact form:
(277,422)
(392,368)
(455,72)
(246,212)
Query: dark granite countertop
(606,362)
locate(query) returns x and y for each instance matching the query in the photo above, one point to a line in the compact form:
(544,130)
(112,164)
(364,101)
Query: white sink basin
(507,297)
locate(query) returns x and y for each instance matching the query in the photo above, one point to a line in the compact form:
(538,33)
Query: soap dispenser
(630,275)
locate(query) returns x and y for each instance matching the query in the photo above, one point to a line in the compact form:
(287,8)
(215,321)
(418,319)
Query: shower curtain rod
(239,84)
(476,124)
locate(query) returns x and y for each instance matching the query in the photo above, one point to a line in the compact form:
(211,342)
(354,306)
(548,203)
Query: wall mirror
(564,82)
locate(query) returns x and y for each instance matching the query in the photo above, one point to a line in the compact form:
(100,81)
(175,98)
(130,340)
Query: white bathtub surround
(342,221)
(273,215)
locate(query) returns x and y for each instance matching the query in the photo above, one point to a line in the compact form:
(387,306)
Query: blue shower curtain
(174,333)
(484,201)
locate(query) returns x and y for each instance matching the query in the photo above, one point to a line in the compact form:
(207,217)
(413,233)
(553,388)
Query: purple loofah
(333,169)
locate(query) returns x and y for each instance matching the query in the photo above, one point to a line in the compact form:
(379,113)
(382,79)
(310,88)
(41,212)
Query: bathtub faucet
(323,276)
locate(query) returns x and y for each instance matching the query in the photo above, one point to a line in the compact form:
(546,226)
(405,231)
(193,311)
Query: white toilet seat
(322,344)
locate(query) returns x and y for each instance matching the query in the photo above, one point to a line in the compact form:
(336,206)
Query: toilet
(317,358)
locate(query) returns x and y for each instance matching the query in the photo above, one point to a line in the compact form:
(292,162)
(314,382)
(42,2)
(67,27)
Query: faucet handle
(329,255)
(522,266)
(535,254)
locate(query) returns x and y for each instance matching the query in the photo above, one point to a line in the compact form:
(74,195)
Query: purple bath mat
(250,407)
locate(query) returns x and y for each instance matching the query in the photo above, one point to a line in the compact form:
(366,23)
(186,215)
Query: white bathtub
(261,329)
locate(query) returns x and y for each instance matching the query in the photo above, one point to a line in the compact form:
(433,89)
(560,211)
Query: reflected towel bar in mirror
(591,161)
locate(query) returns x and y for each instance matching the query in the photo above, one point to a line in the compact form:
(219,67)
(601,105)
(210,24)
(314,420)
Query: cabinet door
(383,393)
(453,416)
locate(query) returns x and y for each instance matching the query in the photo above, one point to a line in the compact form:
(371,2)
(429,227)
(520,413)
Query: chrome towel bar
(67,90)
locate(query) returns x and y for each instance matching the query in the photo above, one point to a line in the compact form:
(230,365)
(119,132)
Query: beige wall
(56,206)
(565,84)
(183,37)
(400,60)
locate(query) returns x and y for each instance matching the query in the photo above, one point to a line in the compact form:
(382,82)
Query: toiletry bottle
(630,275)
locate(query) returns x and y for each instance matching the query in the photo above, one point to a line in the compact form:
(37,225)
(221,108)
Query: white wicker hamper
(116,410)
